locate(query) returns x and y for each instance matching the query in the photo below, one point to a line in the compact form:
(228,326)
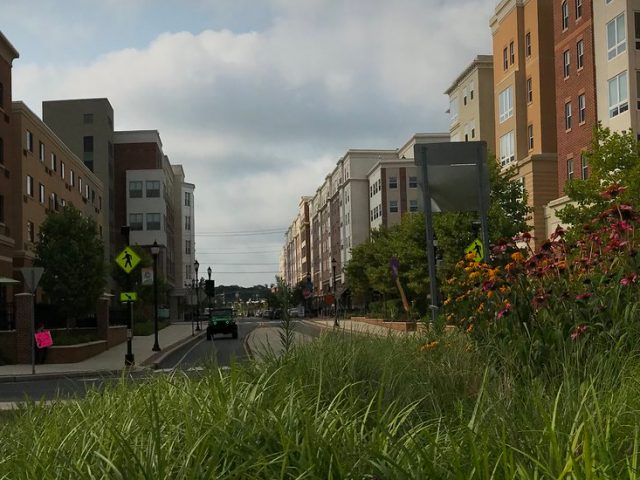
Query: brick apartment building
(7,241)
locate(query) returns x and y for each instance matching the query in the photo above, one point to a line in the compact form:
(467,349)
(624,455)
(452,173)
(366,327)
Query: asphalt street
(222,351)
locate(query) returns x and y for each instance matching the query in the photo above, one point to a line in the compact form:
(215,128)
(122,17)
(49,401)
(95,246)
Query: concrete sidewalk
(109,361)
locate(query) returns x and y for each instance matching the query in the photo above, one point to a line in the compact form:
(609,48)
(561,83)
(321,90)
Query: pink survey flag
(43,339)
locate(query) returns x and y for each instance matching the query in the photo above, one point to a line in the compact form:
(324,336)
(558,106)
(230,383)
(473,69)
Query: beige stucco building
(471,104)
(524,89)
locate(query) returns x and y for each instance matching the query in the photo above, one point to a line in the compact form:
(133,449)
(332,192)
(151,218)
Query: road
(223,350)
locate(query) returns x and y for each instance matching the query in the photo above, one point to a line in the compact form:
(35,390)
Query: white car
(297,312)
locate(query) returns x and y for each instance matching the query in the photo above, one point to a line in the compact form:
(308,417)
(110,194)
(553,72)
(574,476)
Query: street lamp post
(155,250)
(209,274)
(196,264)
(335,295)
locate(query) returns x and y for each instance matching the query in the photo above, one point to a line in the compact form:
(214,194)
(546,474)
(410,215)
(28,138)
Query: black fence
(49,316)
(118,316)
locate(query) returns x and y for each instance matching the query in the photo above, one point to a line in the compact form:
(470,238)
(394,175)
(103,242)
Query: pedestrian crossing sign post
(128,297)
(477,249)
(127,259)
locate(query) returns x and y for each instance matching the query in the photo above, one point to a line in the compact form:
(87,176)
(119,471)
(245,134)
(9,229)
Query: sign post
(455,178)
(32,276)
(128,259)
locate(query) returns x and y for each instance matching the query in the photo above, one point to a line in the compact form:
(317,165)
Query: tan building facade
(524,89)
(471,104)
(616,31)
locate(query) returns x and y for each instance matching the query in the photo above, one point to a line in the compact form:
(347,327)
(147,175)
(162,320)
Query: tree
(613,159)
(71,252)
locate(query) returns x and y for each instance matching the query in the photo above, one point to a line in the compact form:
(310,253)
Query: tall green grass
(345,406)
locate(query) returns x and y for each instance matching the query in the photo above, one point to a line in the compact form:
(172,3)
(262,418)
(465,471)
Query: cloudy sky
(256,98)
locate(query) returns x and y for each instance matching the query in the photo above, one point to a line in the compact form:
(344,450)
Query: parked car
(221,320)
(296,312)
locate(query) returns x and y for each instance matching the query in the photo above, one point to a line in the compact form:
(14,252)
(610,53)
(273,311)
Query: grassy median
(345,406)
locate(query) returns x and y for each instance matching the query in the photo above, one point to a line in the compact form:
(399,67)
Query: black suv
(221,321)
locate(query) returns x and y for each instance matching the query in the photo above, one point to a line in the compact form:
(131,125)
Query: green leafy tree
(613,159)
(71,252)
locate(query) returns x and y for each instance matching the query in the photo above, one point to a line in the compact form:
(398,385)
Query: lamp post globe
(155,250)
(196,265)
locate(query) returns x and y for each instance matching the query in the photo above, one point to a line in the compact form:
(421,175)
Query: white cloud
(259,118)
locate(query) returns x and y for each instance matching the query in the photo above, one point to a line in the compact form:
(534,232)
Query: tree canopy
(613,159)
(71,252)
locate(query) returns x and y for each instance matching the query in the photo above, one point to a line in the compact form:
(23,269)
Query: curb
(28,377)
(154,360)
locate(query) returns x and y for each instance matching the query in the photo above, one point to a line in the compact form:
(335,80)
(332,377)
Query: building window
(582,108)
(87,153)
(565,15)
(54,162)
(187,247)
(31,235)
(393,206)
(505,58)
(570,169)
(413,205)
(72,178)
(393,182)
(618,98)
(616,37)
(86,191)
(135,221)
(506,148)
(529,90)
(465,93)
(527,44)
(135,189)
(580,54)
(87,118)
(566,63)
(637,88)
(41,196)
(413,182)
(506,104)
(453,109)
(30,142)
(471,85)
(530,136)
(567,116)
(30,185)
(153,221)
(41,150)
(1,151)
(187,222)
(637,29)
(512,53)
(584,167)
(153,188)
(62,170)
(187,199)
(472,126)
(1,95)
(578,9)
(1,208)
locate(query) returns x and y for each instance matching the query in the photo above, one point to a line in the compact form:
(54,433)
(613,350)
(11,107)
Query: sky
(257,99)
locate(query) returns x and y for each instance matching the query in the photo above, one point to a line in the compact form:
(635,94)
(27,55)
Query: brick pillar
(24,319)
(102,318)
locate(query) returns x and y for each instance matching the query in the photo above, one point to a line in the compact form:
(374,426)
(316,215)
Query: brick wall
(580,81)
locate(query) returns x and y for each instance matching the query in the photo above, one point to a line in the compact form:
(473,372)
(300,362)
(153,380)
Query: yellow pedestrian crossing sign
(128,297)
(127,259)
(477,249)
